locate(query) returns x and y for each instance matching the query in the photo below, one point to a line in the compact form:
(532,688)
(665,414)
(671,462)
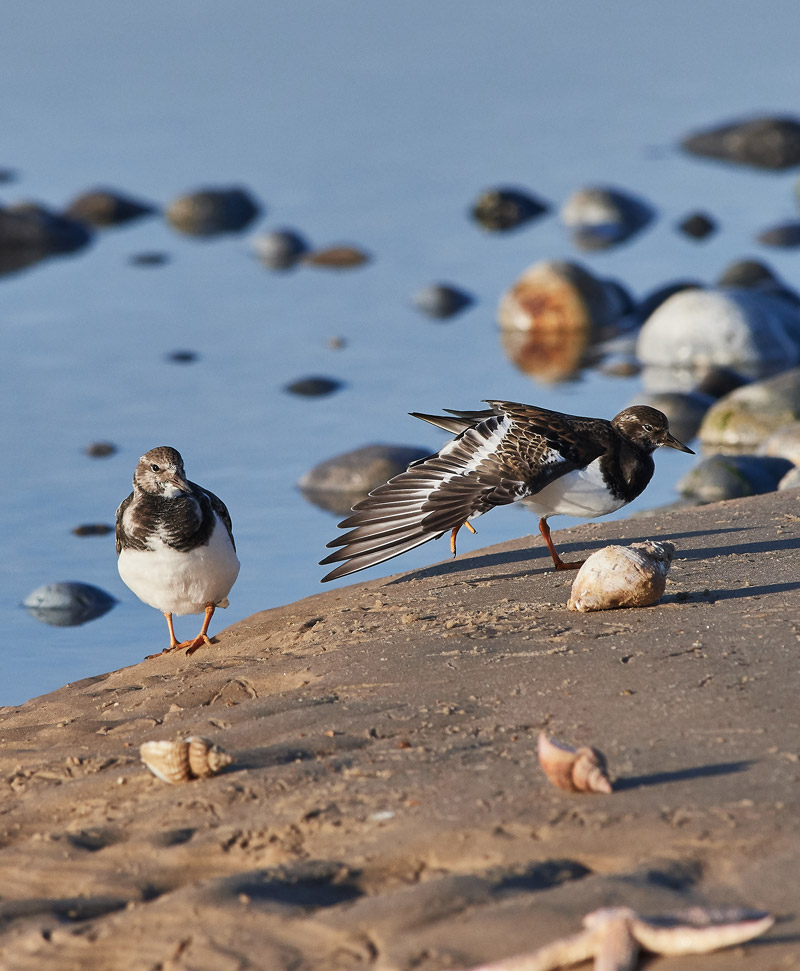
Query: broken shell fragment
(574,770)
(622,576)
(176,761)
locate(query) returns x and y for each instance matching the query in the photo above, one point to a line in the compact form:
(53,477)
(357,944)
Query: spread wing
(498,456)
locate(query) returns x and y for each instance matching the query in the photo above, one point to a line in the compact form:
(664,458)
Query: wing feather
(494,460)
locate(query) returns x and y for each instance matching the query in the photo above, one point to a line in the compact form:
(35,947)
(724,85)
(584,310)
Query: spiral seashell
(205,758)
(622,576)
(167,760)
(574,770)
(182,760)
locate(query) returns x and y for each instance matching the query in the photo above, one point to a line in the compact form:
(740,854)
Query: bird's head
(160,472)
(648,428)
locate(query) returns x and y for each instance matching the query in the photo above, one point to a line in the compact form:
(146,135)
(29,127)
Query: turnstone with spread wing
(175,545)
(556,464)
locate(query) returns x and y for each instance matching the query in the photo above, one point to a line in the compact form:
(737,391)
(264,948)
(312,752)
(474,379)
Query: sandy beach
(386,809)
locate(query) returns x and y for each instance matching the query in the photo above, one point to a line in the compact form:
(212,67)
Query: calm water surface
(358,122)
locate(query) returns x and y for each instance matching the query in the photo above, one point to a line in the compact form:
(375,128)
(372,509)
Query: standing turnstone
(557,464)
(175,544)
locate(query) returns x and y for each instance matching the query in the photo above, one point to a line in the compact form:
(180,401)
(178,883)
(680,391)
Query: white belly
(581,493)
(182,583)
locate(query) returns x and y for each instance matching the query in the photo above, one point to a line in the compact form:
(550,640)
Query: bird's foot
(561,565)
(172,647)
(454,533)
(199,641)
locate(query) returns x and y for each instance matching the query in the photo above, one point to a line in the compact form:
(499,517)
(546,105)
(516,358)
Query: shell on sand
(177,761)
(167,760)
(622,576)
(574,770)
(205,758)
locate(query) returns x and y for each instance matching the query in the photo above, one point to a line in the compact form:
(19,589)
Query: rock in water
(212,211)
(552,313)
(106,207)
(746,330)
(340,482)
(280,249)
(600,217)
(68,604)
(769,142)
(720,477)
(697,225)
(501,209)
(743,419)
(440,300)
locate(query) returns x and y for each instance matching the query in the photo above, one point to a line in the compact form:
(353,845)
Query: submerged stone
(67,604)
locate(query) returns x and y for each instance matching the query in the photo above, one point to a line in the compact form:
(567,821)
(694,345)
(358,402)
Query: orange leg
(202,637)
(191,646)
(469,526)
(544,529)
(173,640)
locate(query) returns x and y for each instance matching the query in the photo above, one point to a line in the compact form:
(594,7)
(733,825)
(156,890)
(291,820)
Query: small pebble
(93,529)
(600,217)
(783,236)
(281,249)
(100,450)
(182,357)
(697,225)
(107,207)
(440,300)
(499,210)
(337,257)
(212,211)
(313,387)
(149,259)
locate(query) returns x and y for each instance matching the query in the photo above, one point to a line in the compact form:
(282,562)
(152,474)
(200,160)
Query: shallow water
(353,123)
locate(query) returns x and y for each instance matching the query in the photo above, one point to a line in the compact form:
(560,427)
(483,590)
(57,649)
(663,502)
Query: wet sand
(386,809)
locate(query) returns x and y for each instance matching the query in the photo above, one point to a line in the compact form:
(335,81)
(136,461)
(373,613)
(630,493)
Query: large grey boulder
(748,331)
(733,476)
(743,419)
(338,483)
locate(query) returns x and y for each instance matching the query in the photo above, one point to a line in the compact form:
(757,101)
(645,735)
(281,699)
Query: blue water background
(376,124)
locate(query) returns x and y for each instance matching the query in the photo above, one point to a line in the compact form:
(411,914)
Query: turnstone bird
(556,464)
(175,546)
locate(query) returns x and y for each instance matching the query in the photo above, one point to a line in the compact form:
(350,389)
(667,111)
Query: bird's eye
(155,468)
(648,428)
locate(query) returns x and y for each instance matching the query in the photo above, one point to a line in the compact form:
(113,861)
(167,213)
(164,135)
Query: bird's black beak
(671,442)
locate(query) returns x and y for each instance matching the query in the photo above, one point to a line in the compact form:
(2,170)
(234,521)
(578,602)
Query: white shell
(574,770)
(177,761)
(167,760)
(622,576)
